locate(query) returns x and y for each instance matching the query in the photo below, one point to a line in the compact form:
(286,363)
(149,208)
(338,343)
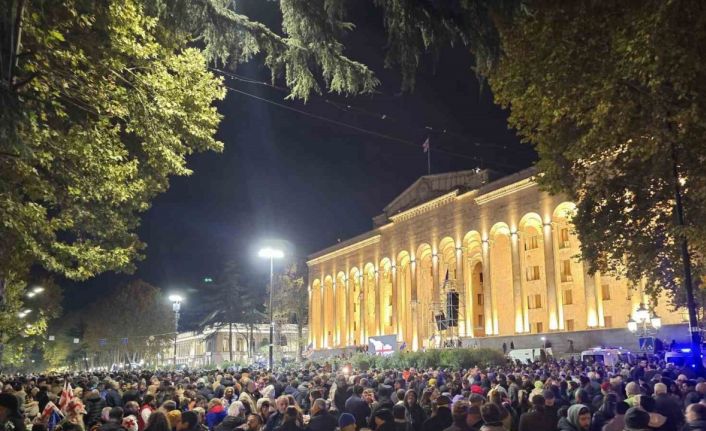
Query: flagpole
(429,161)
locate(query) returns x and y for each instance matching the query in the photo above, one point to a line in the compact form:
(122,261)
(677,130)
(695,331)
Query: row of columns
(341,326)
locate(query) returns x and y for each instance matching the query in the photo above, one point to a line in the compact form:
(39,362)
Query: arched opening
(533,274)
(341,310)
(356,306)
(315,312)
(473,284)
(385,274)
(425,287)
(404,298)
(329,312)
(501,280)
(369,299)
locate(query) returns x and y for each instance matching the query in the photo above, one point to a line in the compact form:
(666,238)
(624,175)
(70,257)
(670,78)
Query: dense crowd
(564,396)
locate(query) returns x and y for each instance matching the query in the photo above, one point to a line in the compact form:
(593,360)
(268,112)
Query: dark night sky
(289,176)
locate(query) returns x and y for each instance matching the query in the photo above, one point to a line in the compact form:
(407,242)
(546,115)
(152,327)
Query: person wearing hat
(441,415)
(383,420)
(10,416)
(346,422)
(637,419)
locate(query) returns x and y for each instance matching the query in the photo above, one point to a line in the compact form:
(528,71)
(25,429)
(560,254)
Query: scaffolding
(447,315)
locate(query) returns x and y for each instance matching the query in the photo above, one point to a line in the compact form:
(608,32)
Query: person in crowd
(275,420)
(695,417)
(578,418)
(115,420)
(320,418)
(538,418)
(188,421)
(356,406)
(441,415)
(415,413)
(383,420)
(605,412)
(291,419)
(216,413)
(347,422)
(112,396)
(157,422)
(492,418)
(399,413)
(637,419)
(94,406)
(10,414)
(668,405)
(236,417)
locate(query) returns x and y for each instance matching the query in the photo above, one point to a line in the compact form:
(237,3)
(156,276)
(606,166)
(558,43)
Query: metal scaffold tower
(446,316)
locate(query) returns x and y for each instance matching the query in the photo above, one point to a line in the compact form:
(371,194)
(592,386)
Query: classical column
(378,304)
(550,273)
(589,288)
(435,292)
(462,318)
(395,300)
(413,301)
(334,331)
(325,301)
(487,289)
(599,301)
(363,310)
(310,336)
(348,325)
(517,283)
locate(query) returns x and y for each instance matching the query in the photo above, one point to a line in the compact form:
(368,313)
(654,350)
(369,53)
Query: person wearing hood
(637,419)
(94,406)
(216,413)
(10,415)
(383,402)
(578,418)
(441,417)
(415,413)
(695,417)
(234,419)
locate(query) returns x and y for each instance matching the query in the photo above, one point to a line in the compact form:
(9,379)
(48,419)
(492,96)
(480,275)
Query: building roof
(430,187)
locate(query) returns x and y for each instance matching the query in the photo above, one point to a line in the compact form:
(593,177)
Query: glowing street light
(176,307)
(272,254)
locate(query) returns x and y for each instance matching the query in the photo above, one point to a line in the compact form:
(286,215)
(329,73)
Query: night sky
(288,176)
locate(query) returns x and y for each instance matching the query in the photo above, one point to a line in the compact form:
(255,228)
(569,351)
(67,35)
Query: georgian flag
(425,145)
(67,395)
(51,415)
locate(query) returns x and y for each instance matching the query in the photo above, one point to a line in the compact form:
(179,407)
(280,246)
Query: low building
(467,256)
(211,346)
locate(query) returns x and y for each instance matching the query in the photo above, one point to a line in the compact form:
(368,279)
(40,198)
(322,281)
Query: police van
(608,356)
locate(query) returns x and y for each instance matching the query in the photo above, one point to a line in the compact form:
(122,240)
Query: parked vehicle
(609,356)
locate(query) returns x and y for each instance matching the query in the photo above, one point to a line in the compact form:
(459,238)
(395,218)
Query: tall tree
(291,300)
(134,322)
(232,301)
(611,94)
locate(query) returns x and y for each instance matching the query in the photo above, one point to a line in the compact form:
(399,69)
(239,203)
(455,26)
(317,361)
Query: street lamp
(176,307)
(644,323)
(272,254)
(544,342)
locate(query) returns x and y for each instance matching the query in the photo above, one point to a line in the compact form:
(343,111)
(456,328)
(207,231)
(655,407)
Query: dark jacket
(535,420)
(112,398)
(565,425)
(384,403)
(441,420)
(229,423)
(322,421)
(695,426)
(669,407)
(289,426)
(356,406)
(415,416)
(94,407)
(274,421)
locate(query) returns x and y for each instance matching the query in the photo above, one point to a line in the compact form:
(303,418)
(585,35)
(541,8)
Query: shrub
(444,358)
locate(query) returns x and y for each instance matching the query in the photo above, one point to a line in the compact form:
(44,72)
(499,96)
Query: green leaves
(603,91)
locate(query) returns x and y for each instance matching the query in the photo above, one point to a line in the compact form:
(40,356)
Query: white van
(609,356)
(531,355)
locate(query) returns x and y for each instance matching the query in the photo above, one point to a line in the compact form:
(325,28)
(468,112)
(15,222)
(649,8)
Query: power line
(345,107)
(363,130)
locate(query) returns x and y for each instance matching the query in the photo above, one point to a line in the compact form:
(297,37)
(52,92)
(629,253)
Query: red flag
(425,145)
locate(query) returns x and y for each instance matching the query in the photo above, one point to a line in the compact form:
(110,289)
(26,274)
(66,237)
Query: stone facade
(499,247)
(210,347)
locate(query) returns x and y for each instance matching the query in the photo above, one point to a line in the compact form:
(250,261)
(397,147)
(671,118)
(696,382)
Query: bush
(444,358)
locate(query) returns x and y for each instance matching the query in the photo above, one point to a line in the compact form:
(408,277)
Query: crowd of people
(563,396)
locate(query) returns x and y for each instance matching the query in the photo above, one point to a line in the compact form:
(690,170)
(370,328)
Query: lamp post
(176,307)
(272,254)
(644,323)
(544,342)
